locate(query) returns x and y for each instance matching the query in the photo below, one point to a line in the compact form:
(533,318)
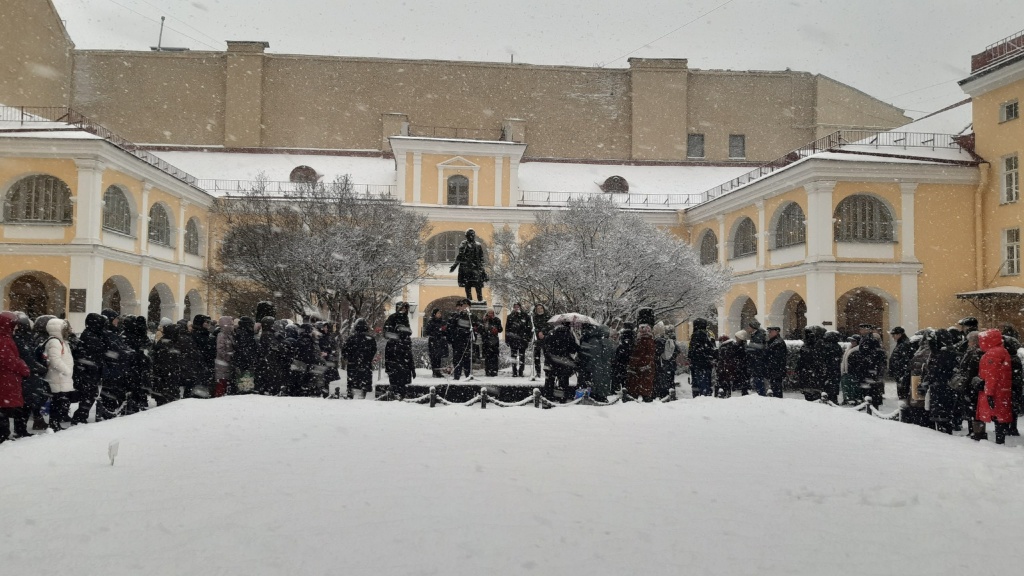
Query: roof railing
(998,52)
(275,188)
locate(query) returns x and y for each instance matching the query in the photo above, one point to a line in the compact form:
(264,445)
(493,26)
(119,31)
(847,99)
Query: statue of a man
(470,263)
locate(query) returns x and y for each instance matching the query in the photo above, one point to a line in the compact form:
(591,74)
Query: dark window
(745,241)
(303,175)
(159,226)
(709,248)
(458,191)
(790,229)
(863,218)
(615,184)
(117,213)
(443,248)
(694,145)
(737,146)
(38,198)
(192,237)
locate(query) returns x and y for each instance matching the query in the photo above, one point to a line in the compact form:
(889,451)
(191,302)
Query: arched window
(790,230)
(303,175)
(615,184)
(709,248)
(38,198)
(458,191)
(745,240)
(159,226)
(117,213)
(444,247)
(192,237)
(863,218)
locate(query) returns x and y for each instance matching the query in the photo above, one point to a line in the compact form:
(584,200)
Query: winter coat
(168,363)
(518,329)
(560,350)
(12,368)
(398,361)
(756,361)
(395,323)
(205,346)
(584,360)
(359,350)
(641,370)
(996,371)
(732,365)
(246,348)
(138,370)
(899,361)
(91,354)
(776,353)
(600,352)
(867,362)
(437,344)
(459,332)
(830,357)
(59,360)
(620,362)
(702,352)
(225,348)
(34,388)
(970,363)
(541,327)
(1012,345)
(491,328)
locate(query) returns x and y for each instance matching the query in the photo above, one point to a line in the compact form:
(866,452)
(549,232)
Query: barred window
(192,237)
(709,248)
(790,229)
(159,226)
(458,191)
(117,213)
(39,198)
(745,240)
(443,248)
(863,218)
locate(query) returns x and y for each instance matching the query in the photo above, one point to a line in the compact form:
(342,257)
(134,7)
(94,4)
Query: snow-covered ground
(263,485)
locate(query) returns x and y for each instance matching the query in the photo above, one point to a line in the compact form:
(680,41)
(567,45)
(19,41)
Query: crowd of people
(946,378)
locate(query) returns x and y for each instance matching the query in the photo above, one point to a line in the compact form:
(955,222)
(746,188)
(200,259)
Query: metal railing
(632,199)
(30,116)
(275,188)
(998,52)
(453,132)
(851,140)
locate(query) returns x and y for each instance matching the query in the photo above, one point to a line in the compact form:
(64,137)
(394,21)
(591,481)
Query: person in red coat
(12,370)
(640,373)
(995,399)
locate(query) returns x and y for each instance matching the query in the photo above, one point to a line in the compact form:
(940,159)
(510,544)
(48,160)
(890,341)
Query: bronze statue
(470,263)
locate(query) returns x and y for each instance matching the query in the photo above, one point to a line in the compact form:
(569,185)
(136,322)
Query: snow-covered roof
(16,122)
(569,177)
(277,166)
(956,119)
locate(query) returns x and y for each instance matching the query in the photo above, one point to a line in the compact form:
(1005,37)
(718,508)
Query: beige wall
(35,67)
(841,107)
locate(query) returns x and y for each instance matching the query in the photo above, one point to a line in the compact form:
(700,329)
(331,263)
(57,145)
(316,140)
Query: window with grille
(745,241)
(694,145)
(117,213)
(737,146)
(1011,248)
(192,237)
(709,248)
(1009,111)
(443,248)
(863,218)
(790,229)
(458,191)
(159,226)
(1011,179)
(39,198)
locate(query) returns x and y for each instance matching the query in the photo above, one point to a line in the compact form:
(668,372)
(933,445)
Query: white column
(144,288)
(908,302)
(721,240)
(474,187)
(180,302)
(821,299)
(400,177)
(144,218)
(762,242)
(417,317)
(907,190)
(513,182)
(819,221)
(762,303)
(417,178)
(87,274)
(722,320)
(88,201)
(499,165)
(180,236)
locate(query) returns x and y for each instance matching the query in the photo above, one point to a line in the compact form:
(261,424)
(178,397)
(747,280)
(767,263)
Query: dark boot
(978,432)
(1001,430)
(38,422)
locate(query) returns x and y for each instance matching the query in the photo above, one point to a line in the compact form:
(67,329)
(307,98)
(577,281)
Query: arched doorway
(446,305)
(861,306)
(794,318)
(119,296)
(36,294)
(161,304)
(742,311)
(193,304)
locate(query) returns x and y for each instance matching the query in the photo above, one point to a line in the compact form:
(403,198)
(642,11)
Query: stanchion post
(672,395)
(824,398)
(483,397)
(867,408)
(433,396)
(536,397)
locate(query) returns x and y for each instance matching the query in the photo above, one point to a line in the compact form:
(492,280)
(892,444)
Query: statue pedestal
(480,306)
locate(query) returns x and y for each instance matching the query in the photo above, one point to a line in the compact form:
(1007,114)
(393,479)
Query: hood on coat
(990,339)
(267,324)
(93,320)
(700,324)
(867,344)
(171,332)
(40,323)
(198,320)
(226,324)
(659,329)
(247,323)
(7,322)
(55,327)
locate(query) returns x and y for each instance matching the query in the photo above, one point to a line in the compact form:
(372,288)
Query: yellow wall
(14,169)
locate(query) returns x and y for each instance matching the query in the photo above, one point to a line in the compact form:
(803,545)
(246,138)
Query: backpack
(40,353)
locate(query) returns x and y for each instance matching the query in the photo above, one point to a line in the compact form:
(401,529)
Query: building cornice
(519,215)
(993,78)
(887,268)
(456,147)
(106,252)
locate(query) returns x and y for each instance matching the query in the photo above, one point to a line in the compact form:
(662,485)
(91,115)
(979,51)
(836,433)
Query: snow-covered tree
(596,259)
(320,248)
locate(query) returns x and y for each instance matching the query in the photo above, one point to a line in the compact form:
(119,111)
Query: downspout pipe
(979,236)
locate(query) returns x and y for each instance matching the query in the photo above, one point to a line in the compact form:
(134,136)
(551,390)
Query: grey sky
(907,52)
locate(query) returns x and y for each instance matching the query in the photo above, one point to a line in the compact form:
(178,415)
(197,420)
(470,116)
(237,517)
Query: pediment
(457,162)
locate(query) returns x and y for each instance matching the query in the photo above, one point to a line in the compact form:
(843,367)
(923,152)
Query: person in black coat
(437,343)
(732,366)
(518,334)
(34,387)
(168,362)
(809,370)
(139,366)
(867,368)
(541,327)
(359,350)
(899,362)
(1012,345)
(623,352)
(246,348)
(756,357)
(460,331)
(307,366)
(490,329)
(90,355)
(972,385)
(116,380)
(942,366)
(397,321)
(775,354)
(266,376)
(560,349)
(205,344)
(399,363)
(589,343)
(702,355)
(830,360)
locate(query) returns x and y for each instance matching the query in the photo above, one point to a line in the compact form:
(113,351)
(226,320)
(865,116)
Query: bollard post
(536,397)
(483,397)
(867,408)
(824,398)
(672,395)
(337,392)
(433,396)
